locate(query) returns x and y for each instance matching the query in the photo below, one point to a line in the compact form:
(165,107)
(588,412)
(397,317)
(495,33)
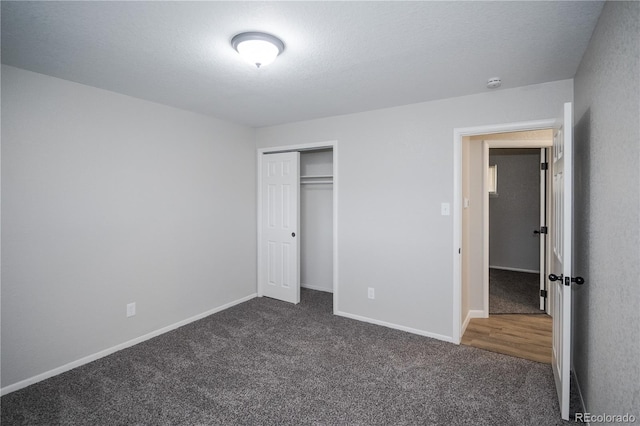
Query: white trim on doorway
(333,145)
(458,134)
(470,315)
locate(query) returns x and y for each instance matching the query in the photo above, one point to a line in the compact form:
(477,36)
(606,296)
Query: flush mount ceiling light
(258,49)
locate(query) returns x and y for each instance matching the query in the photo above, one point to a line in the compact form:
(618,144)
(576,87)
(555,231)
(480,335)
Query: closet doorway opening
(316,220)
(297,220)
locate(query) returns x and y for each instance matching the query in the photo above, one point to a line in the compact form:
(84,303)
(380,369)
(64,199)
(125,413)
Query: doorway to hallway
(505,216)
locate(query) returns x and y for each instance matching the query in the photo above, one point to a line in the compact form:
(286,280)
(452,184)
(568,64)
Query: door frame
(488,144)
(313,146)
(458,134)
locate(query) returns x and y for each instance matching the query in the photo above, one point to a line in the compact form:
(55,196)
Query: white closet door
(279,273)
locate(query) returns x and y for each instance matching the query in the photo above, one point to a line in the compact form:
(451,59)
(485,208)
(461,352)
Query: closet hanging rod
(316,177)
(316,181)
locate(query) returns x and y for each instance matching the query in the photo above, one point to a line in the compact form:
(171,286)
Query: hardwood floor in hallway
(521,335)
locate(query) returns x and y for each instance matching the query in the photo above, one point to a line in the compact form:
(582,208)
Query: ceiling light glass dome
(258,49)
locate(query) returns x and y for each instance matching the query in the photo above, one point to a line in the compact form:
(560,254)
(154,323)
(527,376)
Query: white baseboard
(396,326)
(316,287)
(90,358)
(473,313)
(506,268)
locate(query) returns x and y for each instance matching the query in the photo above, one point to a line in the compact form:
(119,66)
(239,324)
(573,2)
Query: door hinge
(543,293)
(544,166)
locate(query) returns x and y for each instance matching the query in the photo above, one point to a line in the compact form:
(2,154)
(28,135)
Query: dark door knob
(293,234)
(577,280)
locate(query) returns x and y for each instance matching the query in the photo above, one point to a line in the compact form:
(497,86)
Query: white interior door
(561,257)
(543,227)
(279,274)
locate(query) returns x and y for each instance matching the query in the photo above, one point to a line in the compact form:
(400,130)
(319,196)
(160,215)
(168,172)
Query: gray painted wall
(515,211)
(606,353)
(106,200)
(395,168)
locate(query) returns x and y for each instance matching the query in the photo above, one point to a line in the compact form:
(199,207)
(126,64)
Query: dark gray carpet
(512,292)
(266,362)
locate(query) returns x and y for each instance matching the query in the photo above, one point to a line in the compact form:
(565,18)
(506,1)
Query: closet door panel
(279,271)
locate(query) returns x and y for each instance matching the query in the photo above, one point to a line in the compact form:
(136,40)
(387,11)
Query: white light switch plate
(445,209)
(131,309)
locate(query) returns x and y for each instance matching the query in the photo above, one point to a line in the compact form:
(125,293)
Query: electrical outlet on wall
(371,293)
(131,309)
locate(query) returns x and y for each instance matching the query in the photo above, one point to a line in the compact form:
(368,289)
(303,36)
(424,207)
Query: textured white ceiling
(340,57)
